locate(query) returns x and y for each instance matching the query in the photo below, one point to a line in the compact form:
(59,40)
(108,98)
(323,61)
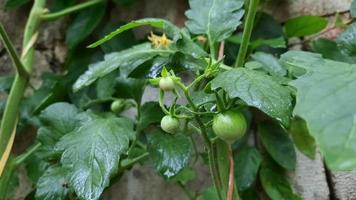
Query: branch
(246,35)
(70,10)
(12,52)
(10,115)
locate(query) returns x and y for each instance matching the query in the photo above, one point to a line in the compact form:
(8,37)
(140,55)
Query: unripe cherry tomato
(170,124)
(117,106)
(229,126)
(166,84)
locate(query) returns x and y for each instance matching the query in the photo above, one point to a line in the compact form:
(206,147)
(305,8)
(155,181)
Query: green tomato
(229,126)
(117,106)
(170,124)
(166,84)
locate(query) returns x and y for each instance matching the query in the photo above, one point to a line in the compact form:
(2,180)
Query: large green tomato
(170,124)
(230,126)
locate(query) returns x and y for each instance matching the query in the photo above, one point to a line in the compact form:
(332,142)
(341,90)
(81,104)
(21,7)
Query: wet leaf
(326,101)
(126,61)
(258,90)
(217,19)
(278,144)
(170,153)
(53,184)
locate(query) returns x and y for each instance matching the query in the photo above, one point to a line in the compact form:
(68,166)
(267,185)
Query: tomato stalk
(231,185)
(246,35)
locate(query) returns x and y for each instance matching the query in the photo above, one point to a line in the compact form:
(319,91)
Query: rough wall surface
(141,183)
(309,178)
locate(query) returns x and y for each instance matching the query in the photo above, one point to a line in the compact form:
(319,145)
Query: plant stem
(6,178)
(18,87)
(246,35)
(70,10)
(12,52)
(19,159)
(231,185)
(212,162)
(129,164)
(161,102)
(212,48)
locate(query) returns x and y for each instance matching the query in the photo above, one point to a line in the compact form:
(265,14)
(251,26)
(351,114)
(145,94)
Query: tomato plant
(244,83)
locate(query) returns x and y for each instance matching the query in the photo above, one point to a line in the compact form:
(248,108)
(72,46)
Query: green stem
(219,102)
(67,11)
(246,35)
(212,162)
(212,48)
(18,88)
(12,52)
(6,178)
(21,158)
(130,163)
(161,102)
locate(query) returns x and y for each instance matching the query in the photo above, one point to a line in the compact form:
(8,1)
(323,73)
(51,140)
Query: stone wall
(311,179)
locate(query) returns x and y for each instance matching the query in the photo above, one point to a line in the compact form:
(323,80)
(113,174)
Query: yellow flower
(159,41)
(201,39)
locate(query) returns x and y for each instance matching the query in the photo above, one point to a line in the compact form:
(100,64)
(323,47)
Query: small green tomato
(117,106)
(170,124)
(166,84)
(229,126)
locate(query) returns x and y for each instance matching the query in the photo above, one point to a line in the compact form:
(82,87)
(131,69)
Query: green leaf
(301,137)
(305,25)
(170,153)
(36,166)
(126,61)
(217,19)
(258,90)
(353,9)
(12,4)
(84,24)
(168,27)
(105,87)
(275,183)
(269,63)
(247,164)
(278,144)
(326,101)
(330,50)
(120,42)
(346,41)
(57,120)
(151,113)
(53,184)
(93,152)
